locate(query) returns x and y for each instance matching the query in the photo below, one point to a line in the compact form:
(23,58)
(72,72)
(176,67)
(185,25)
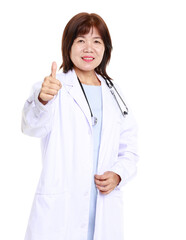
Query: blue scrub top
(94,96)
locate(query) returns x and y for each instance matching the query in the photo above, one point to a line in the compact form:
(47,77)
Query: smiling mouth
(88,59)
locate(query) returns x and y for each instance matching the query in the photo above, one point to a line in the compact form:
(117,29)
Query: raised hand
(50,86)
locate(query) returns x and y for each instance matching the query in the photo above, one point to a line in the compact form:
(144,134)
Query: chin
(84,69)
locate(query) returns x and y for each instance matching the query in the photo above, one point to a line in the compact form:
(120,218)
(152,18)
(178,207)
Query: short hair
(81,24)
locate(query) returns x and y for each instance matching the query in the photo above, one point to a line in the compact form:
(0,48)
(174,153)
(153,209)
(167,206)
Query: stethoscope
(111,86)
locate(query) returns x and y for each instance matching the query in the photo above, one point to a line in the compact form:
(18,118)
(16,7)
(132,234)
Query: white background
(148,62)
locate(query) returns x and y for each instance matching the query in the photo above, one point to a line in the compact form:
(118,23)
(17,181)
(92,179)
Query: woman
(88,146)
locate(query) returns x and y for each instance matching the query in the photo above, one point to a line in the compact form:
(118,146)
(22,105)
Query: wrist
(43,102)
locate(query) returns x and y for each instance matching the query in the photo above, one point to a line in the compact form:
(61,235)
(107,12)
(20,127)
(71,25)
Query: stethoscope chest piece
(94,120)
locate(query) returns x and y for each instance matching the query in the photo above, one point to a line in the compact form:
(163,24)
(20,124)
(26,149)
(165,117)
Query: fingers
(105,187)
(50,86)
(53,70)
(106,182)
(44,98)
(101,177)
(50,91)
(52,77)
(102,183)
(52,82)
(105,190)
(55,86)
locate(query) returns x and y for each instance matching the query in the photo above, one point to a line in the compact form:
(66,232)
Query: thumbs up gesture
(50,86)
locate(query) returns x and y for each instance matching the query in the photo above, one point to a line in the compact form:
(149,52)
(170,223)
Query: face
(87,51)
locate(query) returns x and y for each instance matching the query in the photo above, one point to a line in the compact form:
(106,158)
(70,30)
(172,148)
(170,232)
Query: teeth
(88,58)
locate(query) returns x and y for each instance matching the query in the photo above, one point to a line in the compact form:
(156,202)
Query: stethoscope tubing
(110,85)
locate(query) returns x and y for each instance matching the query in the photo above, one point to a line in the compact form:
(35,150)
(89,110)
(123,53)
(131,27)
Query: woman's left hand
(107,182)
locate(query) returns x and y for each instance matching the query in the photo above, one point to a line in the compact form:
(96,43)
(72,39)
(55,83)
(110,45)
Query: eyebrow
(93,37)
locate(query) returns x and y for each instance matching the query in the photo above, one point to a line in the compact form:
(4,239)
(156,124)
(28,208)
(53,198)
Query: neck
(88,78)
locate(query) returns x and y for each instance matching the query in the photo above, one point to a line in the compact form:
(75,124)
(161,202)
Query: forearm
(37,117)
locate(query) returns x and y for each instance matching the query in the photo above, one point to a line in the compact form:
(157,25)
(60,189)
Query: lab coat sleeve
(125,165)
(36,117)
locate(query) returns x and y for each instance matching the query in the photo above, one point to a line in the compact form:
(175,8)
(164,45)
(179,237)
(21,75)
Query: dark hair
(81,24)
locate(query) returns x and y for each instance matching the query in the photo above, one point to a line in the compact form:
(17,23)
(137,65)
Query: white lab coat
(60,209)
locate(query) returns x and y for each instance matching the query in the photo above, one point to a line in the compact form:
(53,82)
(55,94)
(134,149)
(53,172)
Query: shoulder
(61,76)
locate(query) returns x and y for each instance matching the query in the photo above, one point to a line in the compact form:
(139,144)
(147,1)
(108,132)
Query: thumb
(53,69)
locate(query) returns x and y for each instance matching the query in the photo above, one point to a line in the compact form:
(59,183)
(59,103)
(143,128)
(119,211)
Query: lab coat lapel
(74,89)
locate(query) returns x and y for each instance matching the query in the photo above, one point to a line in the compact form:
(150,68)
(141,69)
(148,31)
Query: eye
(97,41)
(80,40)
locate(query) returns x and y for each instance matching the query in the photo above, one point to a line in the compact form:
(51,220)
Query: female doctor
(88,141)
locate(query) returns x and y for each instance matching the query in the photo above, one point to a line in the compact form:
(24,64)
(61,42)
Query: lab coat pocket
(50,213)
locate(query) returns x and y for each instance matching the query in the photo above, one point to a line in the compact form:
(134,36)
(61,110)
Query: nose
(88,47)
